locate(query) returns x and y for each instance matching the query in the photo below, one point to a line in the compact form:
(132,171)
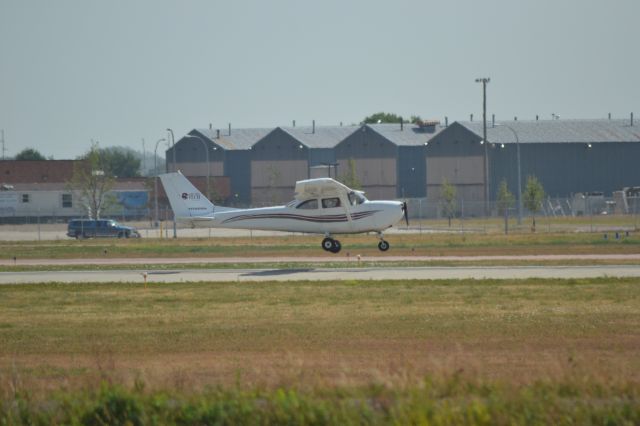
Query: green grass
(300,246)
(374,352)
(432,402)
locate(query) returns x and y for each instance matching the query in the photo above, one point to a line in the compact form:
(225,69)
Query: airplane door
(347,210)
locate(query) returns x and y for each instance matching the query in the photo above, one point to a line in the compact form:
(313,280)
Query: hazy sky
(119,71)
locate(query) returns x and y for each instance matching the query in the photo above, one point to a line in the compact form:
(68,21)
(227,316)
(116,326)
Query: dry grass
(309,334)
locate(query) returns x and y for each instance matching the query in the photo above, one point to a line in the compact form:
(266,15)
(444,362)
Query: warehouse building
(39,190)
(290,154)
(413,160)
(263,165)
(389,159)
(567,156)
(229,154)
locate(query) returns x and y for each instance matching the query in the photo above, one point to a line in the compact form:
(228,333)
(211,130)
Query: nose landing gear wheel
(336,246)
(383,245)
(327,244)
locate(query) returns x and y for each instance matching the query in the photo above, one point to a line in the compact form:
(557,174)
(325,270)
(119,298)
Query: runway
(347,260)
(320,274)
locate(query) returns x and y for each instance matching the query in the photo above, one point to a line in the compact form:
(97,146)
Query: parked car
(89,228)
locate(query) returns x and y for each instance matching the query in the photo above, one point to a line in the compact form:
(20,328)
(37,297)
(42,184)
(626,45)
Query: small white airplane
(321,206)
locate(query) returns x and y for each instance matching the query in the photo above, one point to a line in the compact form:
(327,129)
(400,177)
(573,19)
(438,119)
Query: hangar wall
(375,160)
(457,156)
(237,167)
(277,161)
(568,168)
(412,172)
(191,158)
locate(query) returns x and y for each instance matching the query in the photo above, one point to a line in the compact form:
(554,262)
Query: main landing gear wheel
(383,245)
(329,244)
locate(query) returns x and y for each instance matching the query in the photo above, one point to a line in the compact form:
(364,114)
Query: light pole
(519,174)
(173,146)
(206,151)
(484,81)
(155,179)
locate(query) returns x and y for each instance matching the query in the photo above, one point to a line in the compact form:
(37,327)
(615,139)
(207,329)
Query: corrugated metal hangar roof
(558,131)
(238,139)
(322,137)
(408,135)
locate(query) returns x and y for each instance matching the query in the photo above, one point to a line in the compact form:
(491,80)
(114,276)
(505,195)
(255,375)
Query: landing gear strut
(329,244)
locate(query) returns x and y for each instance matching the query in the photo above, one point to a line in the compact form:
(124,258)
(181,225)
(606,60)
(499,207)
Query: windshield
(356,198)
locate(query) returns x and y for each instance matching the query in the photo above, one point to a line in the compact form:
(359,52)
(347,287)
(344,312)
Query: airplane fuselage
(366,217)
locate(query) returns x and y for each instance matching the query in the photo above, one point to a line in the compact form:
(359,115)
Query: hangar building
(229,156)
(289,154)
(411,161)
(389,158)
(567,156)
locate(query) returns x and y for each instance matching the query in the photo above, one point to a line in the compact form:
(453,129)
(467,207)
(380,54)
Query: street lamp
(484,81)
(155,179)
(173,146)
(206,151)
(519,174)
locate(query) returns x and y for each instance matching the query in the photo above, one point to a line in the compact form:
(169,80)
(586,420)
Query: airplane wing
(321,187)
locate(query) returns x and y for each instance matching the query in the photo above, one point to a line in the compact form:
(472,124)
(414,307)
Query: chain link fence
(588,213)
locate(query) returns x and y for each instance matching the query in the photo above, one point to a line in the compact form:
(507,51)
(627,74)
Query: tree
(350,178)
(29,154)
(92,180)
(118,161)
(505,201)
(532,198)
(383,117)
(448,195)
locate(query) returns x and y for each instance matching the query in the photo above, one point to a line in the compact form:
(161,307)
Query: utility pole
(3,148)
(484,81)
(155,179)
(144,154)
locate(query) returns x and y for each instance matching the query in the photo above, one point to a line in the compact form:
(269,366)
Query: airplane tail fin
(185,199)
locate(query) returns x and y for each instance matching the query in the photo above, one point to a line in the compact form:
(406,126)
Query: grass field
(465,347)
(301,246)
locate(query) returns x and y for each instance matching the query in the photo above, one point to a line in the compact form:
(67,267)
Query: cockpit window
(329,203)
(356,198)
(308,205)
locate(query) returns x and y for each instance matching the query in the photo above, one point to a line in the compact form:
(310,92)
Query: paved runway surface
(221,275)
(351,260)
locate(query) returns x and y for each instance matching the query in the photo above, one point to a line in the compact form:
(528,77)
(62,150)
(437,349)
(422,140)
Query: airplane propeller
(405,209)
